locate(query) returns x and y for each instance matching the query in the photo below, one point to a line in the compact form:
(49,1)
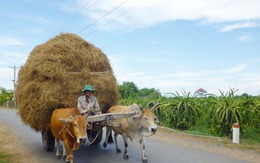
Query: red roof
(201,90)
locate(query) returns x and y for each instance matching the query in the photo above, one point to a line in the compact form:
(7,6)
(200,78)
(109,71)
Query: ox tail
(110,138)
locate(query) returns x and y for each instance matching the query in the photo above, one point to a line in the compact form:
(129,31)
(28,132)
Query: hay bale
(54,75)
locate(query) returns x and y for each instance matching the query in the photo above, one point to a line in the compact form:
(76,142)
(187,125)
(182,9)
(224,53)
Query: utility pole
(14,98)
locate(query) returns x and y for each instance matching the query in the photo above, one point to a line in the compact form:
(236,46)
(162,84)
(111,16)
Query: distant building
(201,92)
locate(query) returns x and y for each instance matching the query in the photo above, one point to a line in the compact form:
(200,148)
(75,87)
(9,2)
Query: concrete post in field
(235,127)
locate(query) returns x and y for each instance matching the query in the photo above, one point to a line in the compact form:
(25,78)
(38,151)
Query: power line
(102,17)
(73,17)
(131,8)
(70,20)
(82,10)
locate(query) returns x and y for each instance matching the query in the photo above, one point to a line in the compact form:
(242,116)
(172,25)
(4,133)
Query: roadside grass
(251,134)
(4,107)
(249,140)
(244,144)
(5,157)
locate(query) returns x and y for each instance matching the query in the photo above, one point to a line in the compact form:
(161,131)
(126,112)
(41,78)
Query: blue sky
(168,45)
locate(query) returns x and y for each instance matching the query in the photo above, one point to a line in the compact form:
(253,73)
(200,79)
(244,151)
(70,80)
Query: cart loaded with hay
(53,77)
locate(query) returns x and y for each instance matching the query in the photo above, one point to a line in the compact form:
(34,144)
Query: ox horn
(64,120)
(155,105)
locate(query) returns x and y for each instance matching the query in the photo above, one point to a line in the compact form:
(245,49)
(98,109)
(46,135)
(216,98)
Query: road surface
(157,151)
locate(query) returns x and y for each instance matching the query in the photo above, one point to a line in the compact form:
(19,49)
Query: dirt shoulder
(224,146)
(12,148)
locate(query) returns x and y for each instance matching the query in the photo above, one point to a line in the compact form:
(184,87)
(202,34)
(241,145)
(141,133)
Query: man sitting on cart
(87,103)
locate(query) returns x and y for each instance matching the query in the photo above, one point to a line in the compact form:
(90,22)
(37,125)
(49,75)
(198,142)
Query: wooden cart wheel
(48,140)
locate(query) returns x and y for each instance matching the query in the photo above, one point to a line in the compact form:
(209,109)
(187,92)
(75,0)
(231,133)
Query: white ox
(133,127)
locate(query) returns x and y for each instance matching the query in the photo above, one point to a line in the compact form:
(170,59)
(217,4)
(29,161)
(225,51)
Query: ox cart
(52,78)
(94,129)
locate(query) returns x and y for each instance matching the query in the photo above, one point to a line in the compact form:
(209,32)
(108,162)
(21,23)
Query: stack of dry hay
(54,75)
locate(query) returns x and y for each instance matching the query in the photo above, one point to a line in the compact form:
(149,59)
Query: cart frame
(94,133)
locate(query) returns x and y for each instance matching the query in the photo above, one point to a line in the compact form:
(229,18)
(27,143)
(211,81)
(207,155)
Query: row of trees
(5,95)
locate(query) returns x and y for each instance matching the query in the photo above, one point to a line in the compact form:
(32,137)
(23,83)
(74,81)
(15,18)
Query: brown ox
(133,127)
(68,126)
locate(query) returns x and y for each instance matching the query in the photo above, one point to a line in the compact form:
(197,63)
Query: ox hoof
(104,145)
(67,159)
(58,157)
(126,157)
(145,161)
(118,150)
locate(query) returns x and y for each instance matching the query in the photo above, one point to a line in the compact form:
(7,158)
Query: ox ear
(156,120)
(141,107)
(71,118)
(64,120)
(137,114)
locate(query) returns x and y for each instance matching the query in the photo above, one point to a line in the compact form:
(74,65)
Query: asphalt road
(157,151)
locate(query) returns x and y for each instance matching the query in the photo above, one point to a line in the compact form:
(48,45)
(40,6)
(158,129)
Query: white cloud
(13,58)
(235,69)
(212,83)
(9,41)
(189,81)
(186,79)
(190,74)
(34,30)
(15,55)
(28,18)
(251,84)
(5,72)
(245,38)
(150,41)
(6,78)
(239,26)
(152,12)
